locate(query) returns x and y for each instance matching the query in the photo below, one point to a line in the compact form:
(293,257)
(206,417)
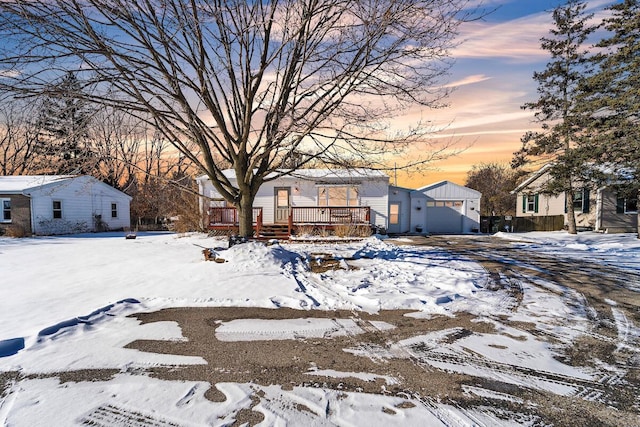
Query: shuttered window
(581,201)
(530,203)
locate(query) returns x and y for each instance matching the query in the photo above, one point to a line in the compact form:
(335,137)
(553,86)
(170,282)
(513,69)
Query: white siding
(373,192)
(82,198)
(463,217)
(401,196)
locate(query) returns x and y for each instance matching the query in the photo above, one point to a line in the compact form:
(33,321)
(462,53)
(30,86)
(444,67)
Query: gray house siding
(612,221)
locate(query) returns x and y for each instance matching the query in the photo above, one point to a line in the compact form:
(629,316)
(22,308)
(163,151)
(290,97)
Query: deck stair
(274,231)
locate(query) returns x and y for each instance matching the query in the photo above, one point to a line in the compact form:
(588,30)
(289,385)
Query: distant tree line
(60,134)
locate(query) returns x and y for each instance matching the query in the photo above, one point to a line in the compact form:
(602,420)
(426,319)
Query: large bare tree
(252,83)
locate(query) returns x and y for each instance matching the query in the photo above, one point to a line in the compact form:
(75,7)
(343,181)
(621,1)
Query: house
(319,197)
(61,204)
(439,208)
(599,208)
(330,198)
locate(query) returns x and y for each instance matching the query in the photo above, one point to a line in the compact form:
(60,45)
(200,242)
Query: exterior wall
(418,213)
(375,194)
(548,205)
(450,219)
(20,213)
(83,199)
(612,222)
(402,197)
(304,193)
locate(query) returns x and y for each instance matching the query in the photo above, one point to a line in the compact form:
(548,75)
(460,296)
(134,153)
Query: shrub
(352,230)
(15,231)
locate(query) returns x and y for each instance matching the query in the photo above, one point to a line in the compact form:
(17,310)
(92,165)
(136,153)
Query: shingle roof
(22,183)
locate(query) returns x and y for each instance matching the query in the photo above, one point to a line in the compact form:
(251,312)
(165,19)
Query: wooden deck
(328,217)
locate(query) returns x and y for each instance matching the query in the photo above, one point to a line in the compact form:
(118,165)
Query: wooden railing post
(259,222)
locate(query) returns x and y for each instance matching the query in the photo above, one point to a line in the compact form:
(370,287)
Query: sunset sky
(492,76)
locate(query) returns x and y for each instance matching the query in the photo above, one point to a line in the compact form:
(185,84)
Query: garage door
(444,216)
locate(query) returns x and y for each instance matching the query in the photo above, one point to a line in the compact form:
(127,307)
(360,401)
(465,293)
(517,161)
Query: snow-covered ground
(64,303)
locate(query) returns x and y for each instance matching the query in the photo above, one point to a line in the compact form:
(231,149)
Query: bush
(352,230)
(15,231)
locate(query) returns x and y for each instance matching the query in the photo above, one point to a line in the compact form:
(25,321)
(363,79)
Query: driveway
(564,350)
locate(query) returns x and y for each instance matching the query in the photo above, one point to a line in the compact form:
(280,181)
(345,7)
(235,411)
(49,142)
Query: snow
(65,303)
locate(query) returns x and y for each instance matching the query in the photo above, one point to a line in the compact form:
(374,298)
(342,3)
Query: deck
(225,219)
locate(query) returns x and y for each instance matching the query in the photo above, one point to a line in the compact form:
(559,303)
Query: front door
(282,199)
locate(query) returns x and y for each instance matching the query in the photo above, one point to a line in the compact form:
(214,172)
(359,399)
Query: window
(627,205)
(581,201)
(530,203)
(6,210)
(57,209)
(338,196)
(394,213)
(114,210)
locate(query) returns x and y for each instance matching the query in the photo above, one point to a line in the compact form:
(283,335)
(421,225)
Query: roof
(537,174)
(23,183)
(318,174)
(439,184)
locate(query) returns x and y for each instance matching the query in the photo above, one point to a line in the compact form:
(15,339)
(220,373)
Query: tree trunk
(245,215)
(638,227)
(571,216)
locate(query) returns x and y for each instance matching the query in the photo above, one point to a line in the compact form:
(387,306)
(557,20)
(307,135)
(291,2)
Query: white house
(600,208)
(361,196)
(318,196)
(61,204)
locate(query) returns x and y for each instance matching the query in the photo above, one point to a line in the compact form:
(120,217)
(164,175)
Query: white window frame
(2,218)
(54,209)
(578,196)
(394,217)
(352,195)
(114,210)
(530,203)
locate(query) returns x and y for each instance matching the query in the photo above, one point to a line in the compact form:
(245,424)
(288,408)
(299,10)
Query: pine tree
(63,125)
(611,96)
(555,108)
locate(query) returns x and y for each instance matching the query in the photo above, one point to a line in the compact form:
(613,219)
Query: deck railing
(329,215)
(228,216)
(221,217)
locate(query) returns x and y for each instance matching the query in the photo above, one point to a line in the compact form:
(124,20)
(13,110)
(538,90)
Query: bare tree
(495,181)
(18,136)
(249,83)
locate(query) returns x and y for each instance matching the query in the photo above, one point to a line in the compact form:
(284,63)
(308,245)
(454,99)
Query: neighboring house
(596,208)
(61,204)
(439,208)
(329,198)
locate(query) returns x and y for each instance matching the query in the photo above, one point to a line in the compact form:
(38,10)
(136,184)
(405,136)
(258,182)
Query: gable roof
(317,174)
(24,183)
(440,185)
(537,174)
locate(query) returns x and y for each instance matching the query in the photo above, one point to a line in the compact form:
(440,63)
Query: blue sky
(492,77)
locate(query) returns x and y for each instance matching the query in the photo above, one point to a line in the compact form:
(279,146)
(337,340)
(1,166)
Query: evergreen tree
(556,109)
(63,128)
(611,96)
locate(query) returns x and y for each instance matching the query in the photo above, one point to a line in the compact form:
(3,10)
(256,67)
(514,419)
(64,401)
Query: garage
(449,208)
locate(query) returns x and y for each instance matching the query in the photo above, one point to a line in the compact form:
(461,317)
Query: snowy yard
(76,304)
